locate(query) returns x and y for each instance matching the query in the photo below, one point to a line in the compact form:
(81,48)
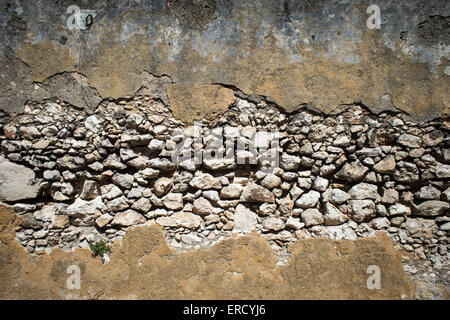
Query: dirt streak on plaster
(143,266)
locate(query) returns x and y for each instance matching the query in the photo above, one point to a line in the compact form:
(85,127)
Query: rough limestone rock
(431,208)
(205,181)
(113,162)
(333,217)
(117,204)
(244,219)
(433,138)
(94,123)
(267,208)
(17,182)
(399,209)
(380,223)
(335,196)
(352,172)
(216,164)
(273,224)
(338,232)
(288,162)
(84,210)
(308,200)
(202,207)
(71,163)
(286,206)
(428,193)
(364,191)
(173,201)
(271,181)
(128,218)
(162,186)
(312,217)
(362,210)
(90,190)
(320,184)
(446,194)
(123,180)
(294,223)
(110,191)
(46,214)
(142,205)
(161,164)
(232,191)
(181,219)
(443,171)
(385,166)
(28,221)
(61,221)
(409,140)
(419,227)
(390,196)
(103,220)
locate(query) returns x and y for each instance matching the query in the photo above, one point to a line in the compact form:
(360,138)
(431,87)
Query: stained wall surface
(89,103)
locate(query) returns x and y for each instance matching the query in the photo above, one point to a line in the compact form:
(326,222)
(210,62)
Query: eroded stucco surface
(197,57)
(293,52)
(143,266)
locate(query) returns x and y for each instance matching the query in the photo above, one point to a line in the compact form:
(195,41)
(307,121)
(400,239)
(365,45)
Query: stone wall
(94,123)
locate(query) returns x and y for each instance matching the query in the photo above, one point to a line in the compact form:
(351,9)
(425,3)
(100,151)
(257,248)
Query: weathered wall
(144,267)
(87,134)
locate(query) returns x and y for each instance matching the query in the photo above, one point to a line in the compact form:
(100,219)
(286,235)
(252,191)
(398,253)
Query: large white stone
(232,191)
(17,182)
(82,207)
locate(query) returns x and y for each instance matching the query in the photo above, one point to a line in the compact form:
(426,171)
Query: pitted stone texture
(244,219)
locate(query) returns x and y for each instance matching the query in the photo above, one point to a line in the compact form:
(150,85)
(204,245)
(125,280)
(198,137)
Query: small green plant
(99,248)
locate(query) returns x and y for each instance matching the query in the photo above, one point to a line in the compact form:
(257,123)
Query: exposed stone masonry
(345,175)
